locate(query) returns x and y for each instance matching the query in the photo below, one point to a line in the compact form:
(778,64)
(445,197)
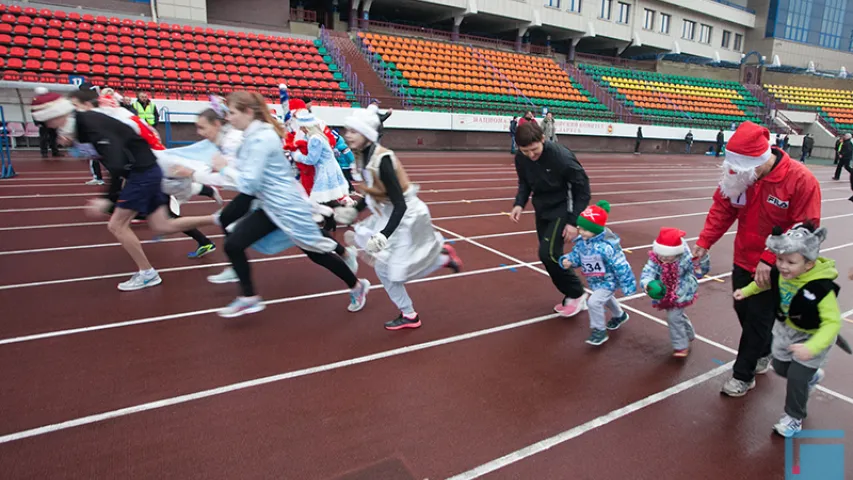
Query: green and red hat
(594,218)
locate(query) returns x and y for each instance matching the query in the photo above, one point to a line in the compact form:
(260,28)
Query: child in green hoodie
(808,318)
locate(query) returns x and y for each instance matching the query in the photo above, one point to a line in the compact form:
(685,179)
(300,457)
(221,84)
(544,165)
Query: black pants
(756,315)
(637,147)
(255,227)
(47,139)
(95,168)
(235,210)
(719,150)
(550,233)
(797,395)
(348,176)
(845,166)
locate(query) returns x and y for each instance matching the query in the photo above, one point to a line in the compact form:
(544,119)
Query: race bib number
(592,265)
(740,201)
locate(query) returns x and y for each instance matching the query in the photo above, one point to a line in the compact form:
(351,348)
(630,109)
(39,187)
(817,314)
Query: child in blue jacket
(669,278)
(599,254)
(345,158)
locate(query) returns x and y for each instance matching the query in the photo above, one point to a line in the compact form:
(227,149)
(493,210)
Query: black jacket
(120,148)
(846,151)
(808,144)
(557,181)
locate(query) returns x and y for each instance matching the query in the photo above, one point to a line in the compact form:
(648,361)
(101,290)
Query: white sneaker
(351,258)
(217,196)
(763,365)
(95,181)
(226,276)
(358,296)
(140,280)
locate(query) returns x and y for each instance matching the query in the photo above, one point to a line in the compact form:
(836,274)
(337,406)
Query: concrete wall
(677,68)
(118,6)
(188,10)
(274,14)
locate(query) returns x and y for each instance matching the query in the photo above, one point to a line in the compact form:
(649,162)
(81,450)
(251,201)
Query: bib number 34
(592,265)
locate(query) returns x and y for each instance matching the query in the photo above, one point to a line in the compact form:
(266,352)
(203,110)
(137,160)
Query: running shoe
(95,181)
(571,306)
(597,337)
(788,426)
(242,306)
(617,322)
(226,276)
(202,251)
(683,353)
(351,259)
(763,365)
(141,280)
(454,262)
(816,379)
(358,295)
(737,388)
(402,322)
(217,197)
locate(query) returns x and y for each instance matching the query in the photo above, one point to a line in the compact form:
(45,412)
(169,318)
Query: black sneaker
(402,322)
(617,322)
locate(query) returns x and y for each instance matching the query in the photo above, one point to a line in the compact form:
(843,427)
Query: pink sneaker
(572,308)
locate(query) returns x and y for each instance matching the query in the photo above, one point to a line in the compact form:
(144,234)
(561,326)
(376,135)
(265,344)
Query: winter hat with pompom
(47,106)
(594,218)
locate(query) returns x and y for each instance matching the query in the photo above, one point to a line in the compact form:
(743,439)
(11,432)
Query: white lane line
(579,430)
(193,313)
(167,402)
(640,312)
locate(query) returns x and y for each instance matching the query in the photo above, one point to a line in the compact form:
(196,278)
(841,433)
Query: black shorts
(142,192)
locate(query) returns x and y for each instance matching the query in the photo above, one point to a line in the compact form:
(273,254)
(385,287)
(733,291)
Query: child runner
(398,237)
(670,280)
(345,158)
(807,317)
(599,255)
(265,173)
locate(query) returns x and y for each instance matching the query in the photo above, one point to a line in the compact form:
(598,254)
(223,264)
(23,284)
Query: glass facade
(823,23)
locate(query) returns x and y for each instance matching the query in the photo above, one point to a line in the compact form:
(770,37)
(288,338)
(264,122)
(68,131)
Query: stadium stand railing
(834,107)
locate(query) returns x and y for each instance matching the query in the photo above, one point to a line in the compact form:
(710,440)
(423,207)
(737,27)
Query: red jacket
(788,195)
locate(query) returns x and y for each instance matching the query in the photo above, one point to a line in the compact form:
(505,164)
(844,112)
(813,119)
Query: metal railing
(167,125)
(6,168)
(433,34)
(383,74)
(302,15)
(622,112)
(346,69)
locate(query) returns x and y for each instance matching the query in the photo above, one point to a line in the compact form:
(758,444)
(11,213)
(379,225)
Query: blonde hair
(255,102)
(315,130)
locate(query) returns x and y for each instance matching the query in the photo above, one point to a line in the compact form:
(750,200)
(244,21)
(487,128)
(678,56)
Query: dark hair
(211,116)
(528,133)
(307,100)
(85,96)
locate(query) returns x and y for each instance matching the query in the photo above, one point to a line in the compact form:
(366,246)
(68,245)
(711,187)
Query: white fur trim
(745,162)
(666,250)
(54,109)
(361,127)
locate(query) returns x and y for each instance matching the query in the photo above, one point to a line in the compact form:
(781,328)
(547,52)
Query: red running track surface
(153,384)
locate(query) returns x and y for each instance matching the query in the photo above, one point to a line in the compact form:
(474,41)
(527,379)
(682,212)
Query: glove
(302,146)
(376,244)
(345,215)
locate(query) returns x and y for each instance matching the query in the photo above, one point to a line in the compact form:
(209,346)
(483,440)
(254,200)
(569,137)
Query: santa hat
(365,121)
(594,218)
(47,106)
(749,147)
(669,242)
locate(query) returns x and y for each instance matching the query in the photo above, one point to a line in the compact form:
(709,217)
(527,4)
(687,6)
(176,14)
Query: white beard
(733,185)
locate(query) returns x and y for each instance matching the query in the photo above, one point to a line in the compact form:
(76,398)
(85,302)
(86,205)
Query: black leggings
(348,176)
(255,227)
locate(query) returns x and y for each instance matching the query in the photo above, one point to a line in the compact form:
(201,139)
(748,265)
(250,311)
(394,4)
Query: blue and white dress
(329,181)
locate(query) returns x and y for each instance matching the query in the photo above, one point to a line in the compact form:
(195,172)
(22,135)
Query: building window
(624,13)
(832,24)
(664,23)
(574,5)
(649,22)
(797,22)
(688,30)
(606,7)
(705,34)
(727,38)
(552,3)
(738,42)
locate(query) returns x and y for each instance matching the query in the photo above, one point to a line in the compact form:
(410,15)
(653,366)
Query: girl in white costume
(398,238)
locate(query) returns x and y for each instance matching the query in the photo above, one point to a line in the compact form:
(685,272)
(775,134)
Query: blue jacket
(343,153)
(687,285)
(603,263)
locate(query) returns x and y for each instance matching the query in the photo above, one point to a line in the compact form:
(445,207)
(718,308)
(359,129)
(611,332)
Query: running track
(153,384)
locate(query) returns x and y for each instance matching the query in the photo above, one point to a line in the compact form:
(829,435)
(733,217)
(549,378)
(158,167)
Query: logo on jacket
(783,204)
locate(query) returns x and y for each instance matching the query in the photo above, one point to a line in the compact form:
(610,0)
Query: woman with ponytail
(398,239)
(261,170)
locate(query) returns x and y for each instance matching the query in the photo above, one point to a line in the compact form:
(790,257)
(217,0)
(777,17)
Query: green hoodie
(830,316)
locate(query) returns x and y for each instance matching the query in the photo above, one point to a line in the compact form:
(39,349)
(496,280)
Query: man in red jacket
(761,188)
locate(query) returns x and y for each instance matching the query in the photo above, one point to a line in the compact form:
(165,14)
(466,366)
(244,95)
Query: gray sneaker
(737,388)
(763,365)
(226,276)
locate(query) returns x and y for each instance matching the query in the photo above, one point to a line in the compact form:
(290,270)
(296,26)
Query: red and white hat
(47,106)
(669,242)
(749,147)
